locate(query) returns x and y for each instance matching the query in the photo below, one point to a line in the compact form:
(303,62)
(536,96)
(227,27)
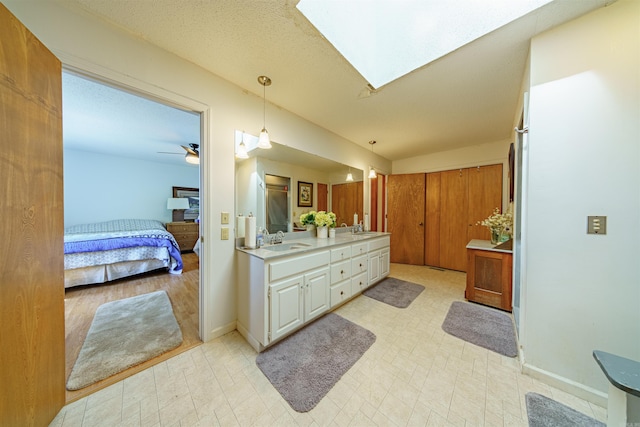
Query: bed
(110,250)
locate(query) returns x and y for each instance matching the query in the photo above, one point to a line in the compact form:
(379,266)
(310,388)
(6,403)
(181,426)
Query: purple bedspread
(120,234)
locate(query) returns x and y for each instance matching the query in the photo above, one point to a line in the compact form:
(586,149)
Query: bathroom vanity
(283,287)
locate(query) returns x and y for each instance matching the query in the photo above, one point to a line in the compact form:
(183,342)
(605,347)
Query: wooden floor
(82,302)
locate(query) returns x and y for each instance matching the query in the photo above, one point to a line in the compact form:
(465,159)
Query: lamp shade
(177,203)
(372,173)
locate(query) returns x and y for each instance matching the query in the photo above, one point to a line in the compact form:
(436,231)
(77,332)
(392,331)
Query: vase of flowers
(323,221)
(500,225)
(308,220)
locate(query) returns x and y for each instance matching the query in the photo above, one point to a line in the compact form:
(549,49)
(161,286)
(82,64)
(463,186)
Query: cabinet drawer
(341,253)
(379,243)
(340,271)
(299,264)
(359,264)
(182,227)
(340,292)
(359,283)
(359,249)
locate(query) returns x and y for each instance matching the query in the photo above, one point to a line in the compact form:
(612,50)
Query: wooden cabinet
(489,273)
(185,233)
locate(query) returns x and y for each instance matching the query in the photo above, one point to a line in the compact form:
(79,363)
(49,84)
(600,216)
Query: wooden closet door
(32,358)
(405,217)
(454,219)
(347,199)
(485,194)
(432,221)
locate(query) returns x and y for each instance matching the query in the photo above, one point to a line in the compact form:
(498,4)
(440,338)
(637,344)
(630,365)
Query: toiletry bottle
(259,238)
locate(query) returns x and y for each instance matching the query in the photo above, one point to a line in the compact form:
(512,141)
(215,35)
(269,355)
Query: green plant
(308,218)
(323,219)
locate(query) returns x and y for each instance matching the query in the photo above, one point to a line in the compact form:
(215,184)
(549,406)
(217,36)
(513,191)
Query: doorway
(277,202)
(151,165)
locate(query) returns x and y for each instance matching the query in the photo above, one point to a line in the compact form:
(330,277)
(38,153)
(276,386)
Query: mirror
(268,182)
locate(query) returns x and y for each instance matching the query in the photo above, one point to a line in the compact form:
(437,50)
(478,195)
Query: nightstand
(185,233)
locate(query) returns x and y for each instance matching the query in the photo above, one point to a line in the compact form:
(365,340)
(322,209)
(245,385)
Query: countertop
(486,245)
(307,243)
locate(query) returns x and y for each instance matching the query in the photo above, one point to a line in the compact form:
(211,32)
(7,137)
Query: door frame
(107,76)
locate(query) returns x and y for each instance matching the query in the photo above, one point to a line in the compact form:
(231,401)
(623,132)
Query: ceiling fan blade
(166,152)
(190,150)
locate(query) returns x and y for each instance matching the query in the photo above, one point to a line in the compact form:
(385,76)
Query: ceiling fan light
(190,158)
(372,173)
(264,141)
(242,151)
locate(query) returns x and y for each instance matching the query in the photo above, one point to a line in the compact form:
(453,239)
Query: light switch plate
(224,233)
(596,225)
(224,217)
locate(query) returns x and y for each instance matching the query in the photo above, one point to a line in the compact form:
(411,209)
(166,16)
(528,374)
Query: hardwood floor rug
(544,412)
(482,326)
(123,334)
(395,292)
(306,365)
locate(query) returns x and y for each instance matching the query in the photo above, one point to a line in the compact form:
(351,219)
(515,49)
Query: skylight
(386,39)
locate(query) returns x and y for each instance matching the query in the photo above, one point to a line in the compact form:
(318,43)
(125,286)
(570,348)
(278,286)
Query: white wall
(582,292)
(98,187)
(93,45)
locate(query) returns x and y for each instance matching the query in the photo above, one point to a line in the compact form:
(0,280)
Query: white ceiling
(466,98)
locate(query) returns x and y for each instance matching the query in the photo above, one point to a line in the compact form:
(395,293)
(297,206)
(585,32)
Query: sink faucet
(343,225)
(279,237)
(356,228)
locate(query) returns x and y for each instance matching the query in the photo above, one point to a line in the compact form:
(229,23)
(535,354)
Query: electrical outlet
(596,225)
(224,217)
(224,233)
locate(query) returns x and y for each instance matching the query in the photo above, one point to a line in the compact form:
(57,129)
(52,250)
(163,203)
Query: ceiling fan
(193,153)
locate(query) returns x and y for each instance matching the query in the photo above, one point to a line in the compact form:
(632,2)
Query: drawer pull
(341,271)
(341,292)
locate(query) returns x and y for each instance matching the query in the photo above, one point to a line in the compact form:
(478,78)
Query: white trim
(580,390)
(222,330)
(108,76)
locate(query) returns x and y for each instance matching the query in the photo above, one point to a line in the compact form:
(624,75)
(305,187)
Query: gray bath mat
(545,412)
(482,326)
(306,365)
(123,334)
(395,292)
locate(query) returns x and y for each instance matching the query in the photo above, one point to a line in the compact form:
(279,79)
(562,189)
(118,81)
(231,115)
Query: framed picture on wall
(193,195)
(305,194)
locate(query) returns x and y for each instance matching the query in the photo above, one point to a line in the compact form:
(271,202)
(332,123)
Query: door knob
(421,224)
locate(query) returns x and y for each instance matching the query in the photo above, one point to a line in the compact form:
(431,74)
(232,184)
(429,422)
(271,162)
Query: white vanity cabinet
(378,255)
(279,293)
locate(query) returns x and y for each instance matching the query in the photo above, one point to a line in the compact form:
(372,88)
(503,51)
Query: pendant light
(372,171)
(264,141)
(242,149)
(349,176)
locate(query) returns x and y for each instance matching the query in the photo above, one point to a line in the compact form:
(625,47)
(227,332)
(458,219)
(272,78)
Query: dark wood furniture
(185,233)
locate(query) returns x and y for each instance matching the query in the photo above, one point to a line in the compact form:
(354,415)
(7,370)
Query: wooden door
(485,194)
(32,358)
(432,221)
(453,219)
(323,191)
(346,200)
(405,217)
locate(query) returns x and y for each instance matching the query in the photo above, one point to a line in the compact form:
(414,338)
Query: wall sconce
(264,141)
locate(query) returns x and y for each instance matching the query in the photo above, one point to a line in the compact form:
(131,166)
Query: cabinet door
(405,216)
(384,263)
(316,293)
(489,278)
(374,267)
(286,306)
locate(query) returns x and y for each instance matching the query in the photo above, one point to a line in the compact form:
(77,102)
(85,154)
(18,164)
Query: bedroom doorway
(124,152)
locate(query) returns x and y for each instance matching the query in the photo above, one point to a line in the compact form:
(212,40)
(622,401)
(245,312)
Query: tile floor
(413,375)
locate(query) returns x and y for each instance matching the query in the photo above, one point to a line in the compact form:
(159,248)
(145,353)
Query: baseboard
(580,390)
(222,330)
(247,336)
